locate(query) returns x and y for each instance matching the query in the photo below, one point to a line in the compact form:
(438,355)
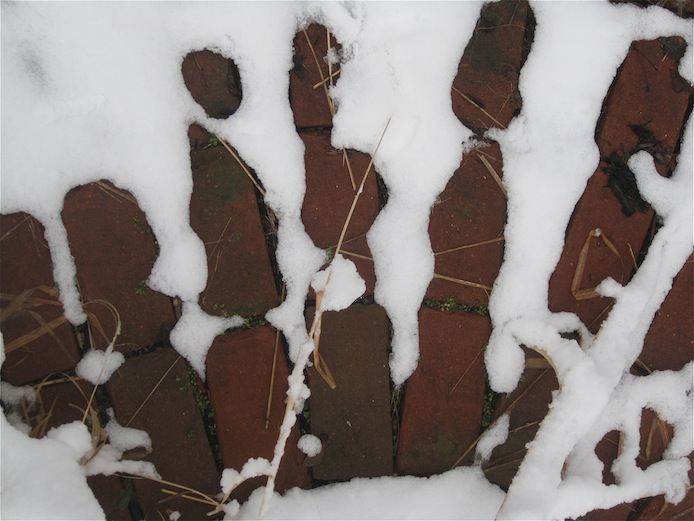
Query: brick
(442,408)
(329,196)
(309,105)
(224,213)
(239,370)
(213,81)
(643,94)
(119,239)
(26,264)
(527,406)
(181,451)
(489,69)
(471,210)
(353,421)
(669,343)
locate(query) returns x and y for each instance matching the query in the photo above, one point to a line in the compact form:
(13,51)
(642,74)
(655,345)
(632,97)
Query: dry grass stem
(493,173)
(242,165)
(589,293)
(462,282)
(477,106)
(156,386)
(473,245)
(327,79)
(467,370)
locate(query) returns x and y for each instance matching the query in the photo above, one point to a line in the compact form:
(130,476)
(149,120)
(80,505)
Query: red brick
(117,238)
(442,407)
(239,370)
(353,420)
(669,343)
(329,196)
(643,94)
(309,105)
(213,81)
(472,209)
(527,405)
(489,69)
(224,213)
(181,451)
(26,264)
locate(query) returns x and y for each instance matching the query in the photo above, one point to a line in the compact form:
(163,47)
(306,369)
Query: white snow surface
(494,436)
(98,87)
(310,445)
(461,493)
(340,283)
(98,366)
(195,331)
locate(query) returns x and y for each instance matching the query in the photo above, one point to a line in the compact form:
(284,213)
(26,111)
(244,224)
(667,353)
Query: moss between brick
(452,305)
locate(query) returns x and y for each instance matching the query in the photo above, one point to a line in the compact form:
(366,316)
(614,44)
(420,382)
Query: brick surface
(239,369)
(527,405)
(353,421)
(310,105)
(471,210)
(669,343)
(489,69)
(443,400)
(181,451)
(224,213)
(117,239)
(26,264)
(329,196)
(644,95)
(213,81)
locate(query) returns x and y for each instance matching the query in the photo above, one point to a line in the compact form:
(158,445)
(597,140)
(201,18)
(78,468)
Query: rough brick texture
(239,370)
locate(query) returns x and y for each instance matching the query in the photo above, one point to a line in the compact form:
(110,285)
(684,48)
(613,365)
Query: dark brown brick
(224,213)
(26,264)
(442,407)
(471,210)
(309,105)
(353,421)
(329,196)
(239,370)
(527,406)
(181,452)
(488,72)
(114,254)
(643,94)
(213,81)
(670,340)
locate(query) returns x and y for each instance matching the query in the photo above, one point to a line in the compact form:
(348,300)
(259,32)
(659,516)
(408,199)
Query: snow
(494,436)
(310,445)
(340,283)
(390,76)
(462,493)
(97,86)
(13,395)
(97,366)
(195,331)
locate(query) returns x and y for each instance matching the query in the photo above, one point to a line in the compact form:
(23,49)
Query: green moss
(488,408)
(452,305)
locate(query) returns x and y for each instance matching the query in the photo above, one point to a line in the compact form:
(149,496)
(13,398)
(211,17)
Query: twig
(493,173)
(473,245)
(242,165)
(156,386)
(469,100)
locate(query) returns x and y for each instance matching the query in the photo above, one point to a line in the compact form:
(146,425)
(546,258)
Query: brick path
(368,428)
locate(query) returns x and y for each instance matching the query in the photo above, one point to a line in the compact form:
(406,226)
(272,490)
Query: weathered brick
(471,210)
(644,96)
(353,420)
(239,371)
(213,81)
(180,448)
(489,69)
(527,406)
(309,105)
(26,264)
(117,238)
(224,213)
(442,407)
(669,343)
(329,196)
